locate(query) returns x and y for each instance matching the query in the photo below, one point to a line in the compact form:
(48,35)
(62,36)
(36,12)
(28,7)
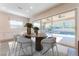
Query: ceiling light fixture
(27,11)
(31,7)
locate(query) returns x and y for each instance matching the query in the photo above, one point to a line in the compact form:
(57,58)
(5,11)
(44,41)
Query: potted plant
(29,26)
(36,30)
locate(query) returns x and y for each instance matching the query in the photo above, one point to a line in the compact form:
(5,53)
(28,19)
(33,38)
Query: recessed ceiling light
(27,11)
(3,7)
(31,7)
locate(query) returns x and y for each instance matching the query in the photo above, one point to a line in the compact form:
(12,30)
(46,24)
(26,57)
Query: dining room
(42,29)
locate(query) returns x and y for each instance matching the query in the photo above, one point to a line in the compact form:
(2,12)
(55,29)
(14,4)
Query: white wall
(5,31)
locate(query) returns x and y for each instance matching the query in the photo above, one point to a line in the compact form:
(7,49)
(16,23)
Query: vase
(28,31)
(36,32)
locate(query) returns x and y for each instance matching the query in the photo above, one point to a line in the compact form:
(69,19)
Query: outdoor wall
(59,9)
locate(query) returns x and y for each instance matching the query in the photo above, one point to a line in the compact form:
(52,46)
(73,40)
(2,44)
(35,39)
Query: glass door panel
(64,28)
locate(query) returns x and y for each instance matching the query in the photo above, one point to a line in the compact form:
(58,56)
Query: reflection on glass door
(37,24)
(64,28)
(61,26)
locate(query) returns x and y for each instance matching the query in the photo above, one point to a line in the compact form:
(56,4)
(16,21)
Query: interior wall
(5,31)
(59,9)
(4,22)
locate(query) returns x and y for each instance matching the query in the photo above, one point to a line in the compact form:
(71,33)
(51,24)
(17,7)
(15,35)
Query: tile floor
(8,46)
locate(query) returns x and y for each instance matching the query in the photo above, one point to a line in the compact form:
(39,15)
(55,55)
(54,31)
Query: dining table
(38,39)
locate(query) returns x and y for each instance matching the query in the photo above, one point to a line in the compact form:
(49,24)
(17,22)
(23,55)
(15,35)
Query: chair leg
(57,51)
(53,51)
(8,54)
(16,47)
(31,49)
(19,49)
(22,49)
(11,48)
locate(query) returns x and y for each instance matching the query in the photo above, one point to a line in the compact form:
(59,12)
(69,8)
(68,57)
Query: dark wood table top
(39,35)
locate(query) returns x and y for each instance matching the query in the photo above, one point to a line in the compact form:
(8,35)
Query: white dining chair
(23,46)
(49,44)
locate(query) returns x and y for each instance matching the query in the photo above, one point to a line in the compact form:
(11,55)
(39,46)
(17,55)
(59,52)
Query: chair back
(22,39)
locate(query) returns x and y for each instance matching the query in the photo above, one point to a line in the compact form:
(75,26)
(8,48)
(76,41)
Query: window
(48,27)
(36,24)
(16,24)
(61,26)
(64,28)
(69,24)
(57,25)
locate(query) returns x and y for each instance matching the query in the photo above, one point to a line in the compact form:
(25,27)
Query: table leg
(38,44)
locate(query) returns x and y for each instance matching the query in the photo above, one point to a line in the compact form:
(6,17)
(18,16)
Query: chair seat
(47,45)
(22,39)
(46,48)
(49,40)
(23,46)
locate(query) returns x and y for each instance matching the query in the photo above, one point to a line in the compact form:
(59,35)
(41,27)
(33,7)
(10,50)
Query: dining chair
(23,46)
(49,44)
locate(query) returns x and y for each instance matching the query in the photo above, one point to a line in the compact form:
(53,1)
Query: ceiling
(26,9)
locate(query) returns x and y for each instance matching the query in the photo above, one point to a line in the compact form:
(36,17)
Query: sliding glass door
(64,28)
(61,26)
(37,24)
